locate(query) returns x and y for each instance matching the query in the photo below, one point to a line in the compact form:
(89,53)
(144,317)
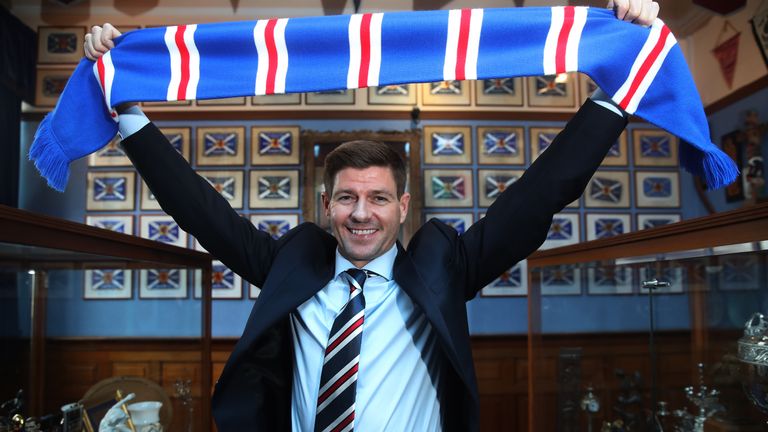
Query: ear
(405,200)
(326,203)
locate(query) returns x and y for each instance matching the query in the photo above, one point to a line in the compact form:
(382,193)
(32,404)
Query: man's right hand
(99,41)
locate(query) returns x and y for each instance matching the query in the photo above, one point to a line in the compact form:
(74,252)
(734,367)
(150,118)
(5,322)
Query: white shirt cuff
(601,98)
(131,121)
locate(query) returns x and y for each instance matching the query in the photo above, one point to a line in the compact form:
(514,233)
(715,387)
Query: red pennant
(727,53)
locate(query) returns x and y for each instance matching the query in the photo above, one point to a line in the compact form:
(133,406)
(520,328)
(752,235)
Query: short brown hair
(362,154)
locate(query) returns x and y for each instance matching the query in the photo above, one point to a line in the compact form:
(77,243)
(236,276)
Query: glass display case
(87,311)
(641,332)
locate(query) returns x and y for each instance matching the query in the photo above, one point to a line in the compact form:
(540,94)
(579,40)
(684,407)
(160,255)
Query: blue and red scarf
(642,68)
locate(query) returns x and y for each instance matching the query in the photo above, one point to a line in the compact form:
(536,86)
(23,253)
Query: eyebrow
(373,192)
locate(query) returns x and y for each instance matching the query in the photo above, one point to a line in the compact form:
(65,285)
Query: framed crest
(541,139)
(560,280)
(493,182)
(608,189)
(275,224)
(60,44)
(225,284)
(110,190)
(511,283)
(500,145)
(649,220)
(395,94)
(163,229)
(458,221)
(654,147)
(608,280)
(163,284)
(232,101)
(50,84)
(447,145)
(275,145)
(555,91)
(227,183)
(587,87)
(657,189)
(277,99)
(179,139)
(117,223)
(617,154)
(448,93)
(448,188)
(499,92)
(108,284)
(605,225)
(565,230)
(274,189)
(111,155)
(220,146)
(148,200)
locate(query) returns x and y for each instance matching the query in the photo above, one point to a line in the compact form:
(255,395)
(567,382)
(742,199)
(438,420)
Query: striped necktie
(336,398)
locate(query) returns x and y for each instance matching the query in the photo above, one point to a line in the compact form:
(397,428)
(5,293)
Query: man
(327,347)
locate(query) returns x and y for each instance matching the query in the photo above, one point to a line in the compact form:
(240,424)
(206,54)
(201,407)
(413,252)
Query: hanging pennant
(727,51)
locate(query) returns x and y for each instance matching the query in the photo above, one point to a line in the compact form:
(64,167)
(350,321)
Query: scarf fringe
(48,156)
(717,168)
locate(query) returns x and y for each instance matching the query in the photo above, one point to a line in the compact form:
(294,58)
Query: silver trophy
(753,354)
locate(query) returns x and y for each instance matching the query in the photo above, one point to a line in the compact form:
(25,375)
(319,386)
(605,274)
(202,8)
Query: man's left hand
(642,12)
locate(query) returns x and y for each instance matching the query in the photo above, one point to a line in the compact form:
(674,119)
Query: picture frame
(225,284)
(162,228)
(448,145)
(275,224)
(499,92)
(148,200)
(331,97)
(395,94)
(111,155)
(608,189)
(605,225)
(659,189)
(107,284)
(653,220)
(448,188)
(228,184)
(740,272)
(274,189)
(122,223)
(500,145)
(277,99)
(275,145)
(552,91)
(60,44)
(541,139)
(49,84)
(511,283)
(610,280)
(179,137)
(446,93)
(617,154)
(110,190)
(654,148)
(458,221)
(218,146)
(491,183)
(231,101)
(586,86)
(165,283)
(564,230)
(760,30)
(560,280)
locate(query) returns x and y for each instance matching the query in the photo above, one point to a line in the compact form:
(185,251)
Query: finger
(653,13)
(88,47)
(634,8)
(109,32)
(98,46)
(638,11)
(620,8)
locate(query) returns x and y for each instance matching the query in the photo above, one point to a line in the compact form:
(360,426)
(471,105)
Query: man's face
(364,212)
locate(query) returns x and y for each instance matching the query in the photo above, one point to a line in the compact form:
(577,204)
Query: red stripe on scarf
(269,40)
(461,54)
(365,50)
(184,53)
(562,39)
(645,67)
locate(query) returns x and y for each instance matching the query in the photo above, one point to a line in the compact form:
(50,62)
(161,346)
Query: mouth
(362,232)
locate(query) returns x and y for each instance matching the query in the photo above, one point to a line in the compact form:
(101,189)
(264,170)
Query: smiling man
(352,330)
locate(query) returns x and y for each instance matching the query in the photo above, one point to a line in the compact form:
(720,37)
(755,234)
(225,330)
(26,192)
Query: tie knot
(358,276)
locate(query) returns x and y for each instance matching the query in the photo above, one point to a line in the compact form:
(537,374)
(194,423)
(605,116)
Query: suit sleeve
(517,223)
(198,208)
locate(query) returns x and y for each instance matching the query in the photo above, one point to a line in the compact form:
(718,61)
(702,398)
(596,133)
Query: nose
(361,212)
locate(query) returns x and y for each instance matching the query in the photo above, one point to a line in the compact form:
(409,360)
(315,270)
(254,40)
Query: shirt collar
(381,265)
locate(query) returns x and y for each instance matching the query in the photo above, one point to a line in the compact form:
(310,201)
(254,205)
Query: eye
(380,199)
(344,198)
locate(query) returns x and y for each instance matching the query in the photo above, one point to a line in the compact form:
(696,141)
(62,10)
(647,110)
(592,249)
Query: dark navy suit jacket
(440,270)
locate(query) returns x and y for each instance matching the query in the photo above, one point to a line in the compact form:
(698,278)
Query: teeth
(363,232)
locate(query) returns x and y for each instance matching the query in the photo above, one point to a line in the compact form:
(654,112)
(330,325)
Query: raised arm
(192,202)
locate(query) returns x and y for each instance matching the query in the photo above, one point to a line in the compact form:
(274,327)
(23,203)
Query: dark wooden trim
(38,349)
(737,95)
(737,226)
